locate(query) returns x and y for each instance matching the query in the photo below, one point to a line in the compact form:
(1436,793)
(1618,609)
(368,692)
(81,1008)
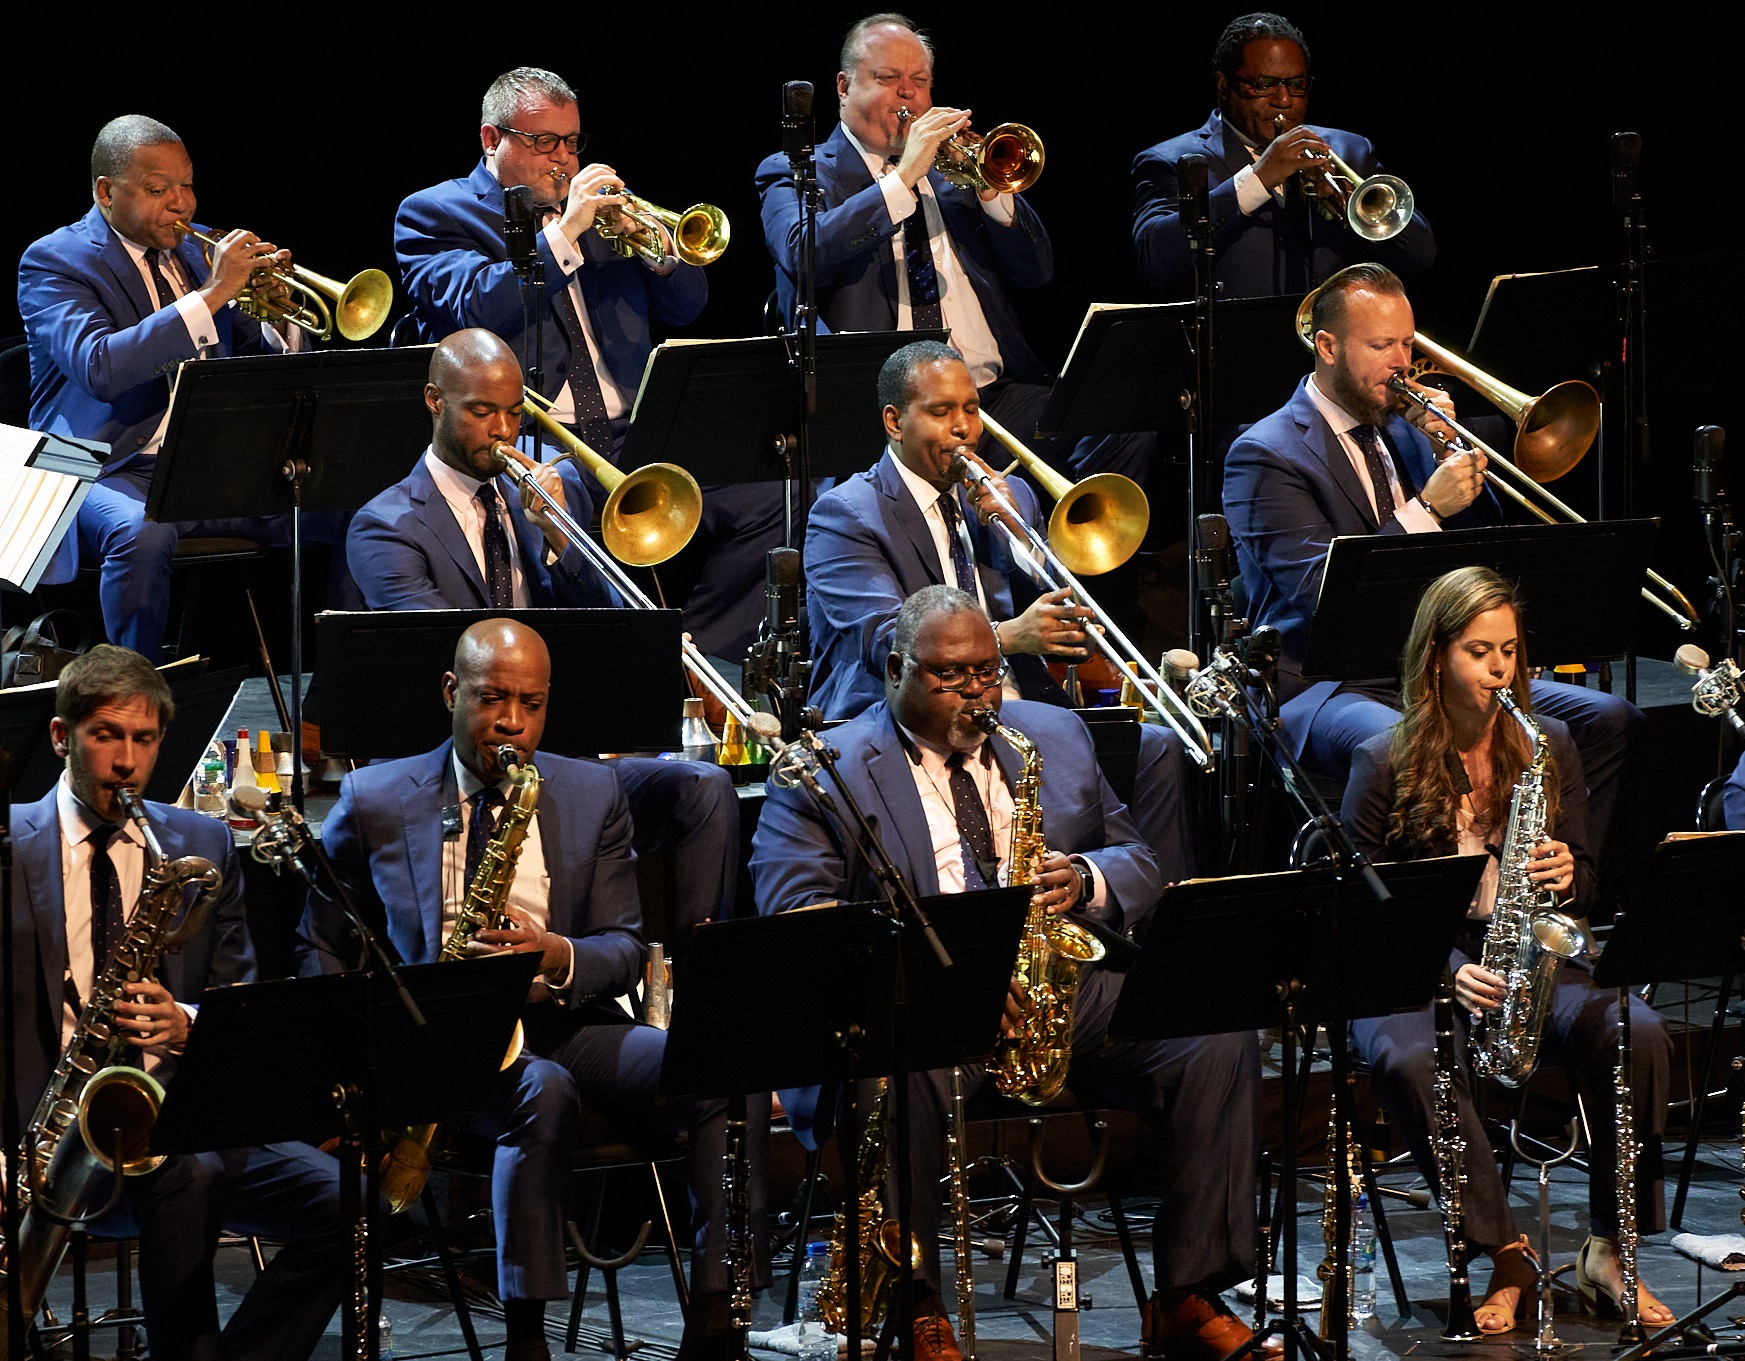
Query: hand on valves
(927,135)
(1291,152)
(238,262)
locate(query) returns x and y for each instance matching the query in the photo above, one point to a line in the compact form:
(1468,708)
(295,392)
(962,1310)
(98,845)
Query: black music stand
(1315,953)
(736,1029)
(1580,582)
(379,671)
(271,434)
(326,1083)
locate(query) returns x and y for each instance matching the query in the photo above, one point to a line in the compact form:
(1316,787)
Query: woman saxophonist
(1440,783)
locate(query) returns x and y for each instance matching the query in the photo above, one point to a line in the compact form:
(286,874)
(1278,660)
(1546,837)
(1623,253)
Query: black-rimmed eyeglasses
(544,143)
(954,678)
(1256,87)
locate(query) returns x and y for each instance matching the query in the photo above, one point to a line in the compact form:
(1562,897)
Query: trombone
(1377,209)
(359,306)
(1008,160)
(649,515)
(700,233)
(1097,524)
(1553,431)
(1033,549)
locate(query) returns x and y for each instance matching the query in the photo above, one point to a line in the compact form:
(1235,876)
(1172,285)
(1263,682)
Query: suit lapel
(552,814)
(38,852)
(1324,446)
(425,789)
(906,522)
(529,543)
(433,513)
(889,769)
(121,267)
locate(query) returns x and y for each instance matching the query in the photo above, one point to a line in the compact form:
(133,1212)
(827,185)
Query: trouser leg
(686,811)
(133,556)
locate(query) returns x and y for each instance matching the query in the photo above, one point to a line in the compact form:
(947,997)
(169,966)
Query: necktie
(961,566)
(981,864)
(166,294)
(480,827)
(1375,458)
(924,310)
(592,423)
(107,922)
(499,583)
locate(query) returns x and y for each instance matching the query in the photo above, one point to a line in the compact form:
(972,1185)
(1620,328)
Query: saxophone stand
(1547,1343)
(1685,922)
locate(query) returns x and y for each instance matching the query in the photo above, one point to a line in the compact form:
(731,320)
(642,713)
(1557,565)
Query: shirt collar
(78,821)
(452,481)
(925,493)
(1342,421)
(470,784)
(932,756)
(874,163)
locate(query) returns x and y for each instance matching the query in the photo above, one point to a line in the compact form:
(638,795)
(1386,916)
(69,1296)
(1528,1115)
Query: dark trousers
(686,811)
(1199,1100)
(1581,1036)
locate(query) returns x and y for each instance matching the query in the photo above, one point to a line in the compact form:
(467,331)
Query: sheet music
(36,507)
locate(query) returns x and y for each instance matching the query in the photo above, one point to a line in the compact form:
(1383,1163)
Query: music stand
(736,1029)
(1581,582)
(46,480)
(269,434)
(1315,953)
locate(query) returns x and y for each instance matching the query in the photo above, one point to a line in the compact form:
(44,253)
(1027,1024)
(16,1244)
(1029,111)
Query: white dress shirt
(1413,518)
(461,492)
(959,307)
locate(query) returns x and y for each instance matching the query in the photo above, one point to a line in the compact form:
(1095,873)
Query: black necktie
(924,313)
(107,922)
(479,829)
(499,582)
(961,567)
(166,294)
(592,423)
(981,864)
(1375,458)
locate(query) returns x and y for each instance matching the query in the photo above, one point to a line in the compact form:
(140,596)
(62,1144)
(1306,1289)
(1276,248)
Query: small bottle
(694,735)
(266,765)
(657,990)
(241,774)
(384,1337)
(1362,1261)
(817,1342)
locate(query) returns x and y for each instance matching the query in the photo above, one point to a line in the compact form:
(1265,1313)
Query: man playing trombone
(1264,163)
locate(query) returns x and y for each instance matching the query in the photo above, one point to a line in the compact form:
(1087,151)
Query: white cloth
(563,408)
(461,492)
(959,307)
(1413,518)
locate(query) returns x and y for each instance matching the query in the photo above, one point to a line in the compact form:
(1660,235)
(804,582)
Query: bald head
(474,395)
(497,694)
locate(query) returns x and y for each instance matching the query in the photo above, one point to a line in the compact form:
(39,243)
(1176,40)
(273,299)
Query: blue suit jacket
(455,270)
(1289,490)
(857,269)
(406,551)
(1274,250)
(101,358)
(217,955)
(798,858)
(385,839)
(1733,798)
(868,550)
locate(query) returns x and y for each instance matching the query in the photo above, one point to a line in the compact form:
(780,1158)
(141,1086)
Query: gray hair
(897,376)
(512,90)
(854,41)
(121,139)
(927,604)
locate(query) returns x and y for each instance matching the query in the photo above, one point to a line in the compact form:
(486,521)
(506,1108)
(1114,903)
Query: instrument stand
(1547,1343)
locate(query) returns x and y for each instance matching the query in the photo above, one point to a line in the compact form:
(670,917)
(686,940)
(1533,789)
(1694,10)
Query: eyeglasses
(1256,86)
(955,678)
(544,143)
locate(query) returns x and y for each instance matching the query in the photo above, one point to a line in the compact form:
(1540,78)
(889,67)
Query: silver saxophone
(97,1111)
(1528,939)
(1449,1146)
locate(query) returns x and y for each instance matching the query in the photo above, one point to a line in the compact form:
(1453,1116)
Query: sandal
(1515,1266)
(1599,1299)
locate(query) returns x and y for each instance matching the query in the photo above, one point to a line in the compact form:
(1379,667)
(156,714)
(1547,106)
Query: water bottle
(1362,1261)
(384,1337)
(817,1342)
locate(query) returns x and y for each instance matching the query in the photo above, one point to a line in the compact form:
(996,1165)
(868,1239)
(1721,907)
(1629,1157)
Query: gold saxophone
(406,1167)
(96,1111)
(1031,1064)
(880,1245)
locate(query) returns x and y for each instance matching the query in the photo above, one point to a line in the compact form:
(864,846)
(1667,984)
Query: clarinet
(1449,1146)
(957,1152)
(1626,1153)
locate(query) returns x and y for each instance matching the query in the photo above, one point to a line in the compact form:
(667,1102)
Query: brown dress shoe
(1196,1328)
(934,1340)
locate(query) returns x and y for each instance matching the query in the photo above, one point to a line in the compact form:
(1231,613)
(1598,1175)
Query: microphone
(797,122)
(1213,566)
(1191,179)
(1718,693)
(1179,666)
(518,229)
(1706,465)
(782,592)
(1626,158)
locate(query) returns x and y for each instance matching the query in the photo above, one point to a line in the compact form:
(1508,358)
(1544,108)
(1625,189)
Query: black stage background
(309,124)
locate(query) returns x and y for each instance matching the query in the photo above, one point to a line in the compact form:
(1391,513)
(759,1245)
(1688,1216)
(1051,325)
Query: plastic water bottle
(1362,1261)
(385,1337)
(817,1342)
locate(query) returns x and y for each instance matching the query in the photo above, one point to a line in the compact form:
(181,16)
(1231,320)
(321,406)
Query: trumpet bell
(702,234)
(651,514)
(360,308)
(1009,158)
(1380,208)
(1099,523)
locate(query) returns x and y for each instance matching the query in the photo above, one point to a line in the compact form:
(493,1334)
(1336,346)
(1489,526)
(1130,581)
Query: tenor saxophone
(96,1112)
(406,1167)
(1031,1064)
(1528,939)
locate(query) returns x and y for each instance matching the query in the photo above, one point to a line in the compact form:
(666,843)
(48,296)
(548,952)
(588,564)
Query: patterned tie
(592,423)
(1375,458)
(499,582)
(479,829)
(924,310)
(107,921)
(961,566)
(981,864)
(166,294)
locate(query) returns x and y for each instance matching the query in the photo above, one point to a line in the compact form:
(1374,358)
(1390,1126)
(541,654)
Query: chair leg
(1700,1103)
(1125,1235)
(791,1309)
(126,1335)
(596,1196)
(462,1314)
(1020,1232)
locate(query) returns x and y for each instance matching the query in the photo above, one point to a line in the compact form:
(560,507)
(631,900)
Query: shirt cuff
(563,250)
(197,317)
(1001,209)
(559,984)
(1414,519)
(899,198)
(1251,194)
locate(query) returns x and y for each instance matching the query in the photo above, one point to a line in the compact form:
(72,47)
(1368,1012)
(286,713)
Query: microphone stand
(797,136)
(1627,199)
(530,274)
(1197,403)
(1720,535)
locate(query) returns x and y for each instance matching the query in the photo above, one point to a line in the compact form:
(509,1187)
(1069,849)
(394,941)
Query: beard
(1360,402)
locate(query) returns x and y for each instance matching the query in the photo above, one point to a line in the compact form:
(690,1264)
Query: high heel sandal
(1600,1300)
(1516,1266)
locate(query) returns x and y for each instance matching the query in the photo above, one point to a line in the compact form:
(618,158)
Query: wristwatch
(1087,882)
(1428,508)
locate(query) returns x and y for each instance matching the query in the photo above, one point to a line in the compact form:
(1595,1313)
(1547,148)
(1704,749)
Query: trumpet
(1008,160)
(1553,432)
(1378,208)
(649,515)
(700,233)
(359,307)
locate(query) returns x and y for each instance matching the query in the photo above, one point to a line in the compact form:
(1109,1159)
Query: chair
(15,381)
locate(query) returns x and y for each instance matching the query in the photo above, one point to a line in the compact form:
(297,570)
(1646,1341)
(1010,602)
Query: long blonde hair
(1426,767)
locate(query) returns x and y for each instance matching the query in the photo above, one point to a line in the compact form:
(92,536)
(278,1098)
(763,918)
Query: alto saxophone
(1528,939)
(484,908)
(880,1243)
(1031,1064)
(97,1112)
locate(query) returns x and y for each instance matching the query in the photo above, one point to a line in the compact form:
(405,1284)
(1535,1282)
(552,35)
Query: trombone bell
(1099,524)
